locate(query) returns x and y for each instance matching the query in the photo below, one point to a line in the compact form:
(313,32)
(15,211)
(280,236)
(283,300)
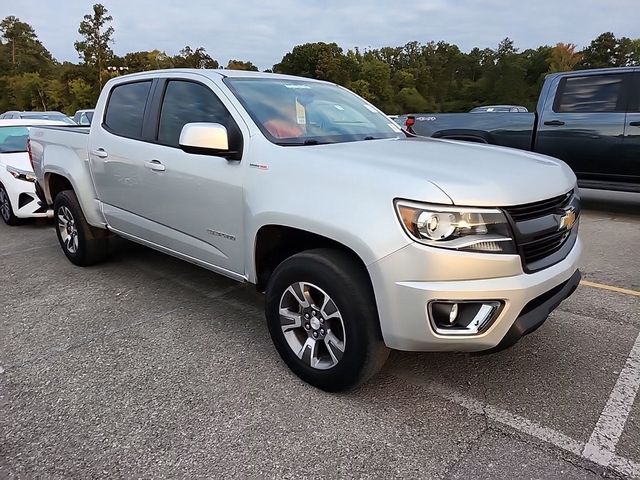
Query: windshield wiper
(309,141)
(370,138)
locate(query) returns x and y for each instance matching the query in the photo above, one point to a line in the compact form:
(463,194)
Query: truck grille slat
(535,247)
(538,209)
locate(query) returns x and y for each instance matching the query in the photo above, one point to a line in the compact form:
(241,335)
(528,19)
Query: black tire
(348,285)
(92,243)
(7,215)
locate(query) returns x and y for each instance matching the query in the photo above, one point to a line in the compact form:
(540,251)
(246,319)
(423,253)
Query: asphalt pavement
(149,367)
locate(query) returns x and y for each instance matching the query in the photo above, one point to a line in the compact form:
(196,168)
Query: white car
(18,199)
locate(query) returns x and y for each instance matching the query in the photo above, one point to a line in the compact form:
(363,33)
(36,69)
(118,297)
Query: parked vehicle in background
(18,199)
(83,117)
(500,109)
(57,116)
(361,238)
(588,118)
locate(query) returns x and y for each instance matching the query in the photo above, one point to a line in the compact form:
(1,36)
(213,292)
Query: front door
(584,125)
(195,202)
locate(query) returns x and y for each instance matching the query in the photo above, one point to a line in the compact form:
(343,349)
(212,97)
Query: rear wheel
(82,244)
(6,210)
(323,319)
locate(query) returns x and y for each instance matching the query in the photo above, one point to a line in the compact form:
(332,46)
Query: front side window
(299,112)
(125,110)
(13,139)
(188,102)
(592,93)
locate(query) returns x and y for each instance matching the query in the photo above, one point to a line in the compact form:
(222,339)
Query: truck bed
(61,140)
(507,129)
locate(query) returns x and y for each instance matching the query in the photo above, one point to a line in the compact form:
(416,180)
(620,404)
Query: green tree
(27,91)
(240,65)
(97,34)
(23,51)
(607,51)
(325,61)
(198,58)
(144,61)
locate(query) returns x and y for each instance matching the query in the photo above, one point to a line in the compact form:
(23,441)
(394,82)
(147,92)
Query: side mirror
(205,139)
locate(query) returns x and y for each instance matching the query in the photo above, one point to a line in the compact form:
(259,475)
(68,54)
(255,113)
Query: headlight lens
(21,174)
(457,228)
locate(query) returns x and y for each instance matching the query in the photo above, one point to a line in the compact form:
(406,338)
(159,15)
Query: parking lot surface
(146,366)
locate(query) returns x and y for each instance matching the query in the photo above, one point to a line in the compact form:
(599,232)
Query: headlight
(457,228)
(21,174)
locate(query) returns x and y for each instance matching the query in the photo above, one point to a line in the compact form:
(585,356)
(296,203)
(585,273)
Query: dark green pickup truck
(588,118)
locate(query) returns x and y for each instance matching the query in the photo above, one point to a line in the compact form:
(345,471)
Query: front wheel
(82,244)
(323,319)
(6,210)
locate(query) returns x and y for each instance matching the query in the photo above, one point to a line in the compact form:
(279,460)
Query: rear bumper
(405,283)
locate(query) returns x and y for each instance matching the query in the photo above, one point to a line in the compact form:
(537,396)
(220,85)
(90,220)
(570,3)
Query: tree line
(416,77)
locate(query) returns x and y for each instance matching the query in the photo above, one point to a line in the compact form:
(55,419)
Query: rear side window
(188,102)
(593,93)
(125,110)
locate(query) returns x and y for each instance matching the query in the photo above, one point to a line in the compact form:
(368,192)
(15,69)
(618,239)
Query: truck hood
(469,174)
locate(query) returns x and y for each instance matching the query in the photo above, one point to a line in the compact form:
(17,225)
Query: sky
(262,31)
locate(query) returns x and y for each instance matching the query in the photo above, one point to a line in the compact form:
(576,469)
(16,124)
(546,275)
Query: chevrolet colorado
(588,118)
(361,238)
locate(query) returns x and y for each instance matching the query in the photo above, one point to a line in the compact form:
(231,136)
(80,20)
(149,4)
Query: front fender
(368,251)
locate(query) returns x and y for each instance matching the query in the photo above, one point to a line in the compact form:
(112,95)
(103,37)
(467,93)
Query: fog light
(462,318)
(453,314)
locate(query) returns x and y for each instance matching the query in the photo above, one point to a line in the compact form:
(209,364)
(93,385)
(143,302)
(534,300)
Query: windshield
(298,112)
(60,117)
(13,139)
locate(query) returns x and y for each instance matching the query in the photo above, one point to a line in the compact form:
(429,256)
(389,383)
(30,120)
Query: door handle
(634,124)
(154,165)
(554,123)
(100,153)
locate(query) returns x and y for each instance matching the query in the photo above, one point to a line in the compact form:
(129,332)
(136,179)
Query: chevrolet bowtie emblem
(568,220)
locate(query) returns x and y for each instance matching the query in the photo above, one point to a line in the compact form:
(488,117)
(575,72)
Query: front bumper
(407,280)
(23,197)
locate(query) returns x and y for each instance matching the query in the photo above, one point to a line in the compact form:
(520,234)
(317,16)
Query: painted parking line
(611,288)
(601,446)
(621,465)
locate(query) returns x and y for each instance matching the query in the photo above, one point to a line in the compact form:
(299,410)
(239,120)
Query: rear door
(630,169)
(584,124)
(117,161)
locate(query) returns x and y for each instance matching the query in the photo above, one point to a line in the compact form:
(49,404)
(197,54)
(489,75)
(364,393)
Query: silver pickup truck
(362,239)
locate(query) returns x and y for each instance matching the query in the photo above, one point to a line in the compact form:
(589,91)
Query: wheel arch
(57,180)
(274,243)
(467,135)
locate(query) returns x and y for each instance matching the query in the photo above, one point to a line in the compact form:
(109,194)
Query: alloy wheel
(312,325)
(5,206)
(68,230)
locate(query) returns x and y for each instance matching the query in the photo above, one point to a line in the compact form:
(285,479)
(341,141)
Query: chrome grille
(529,211)
(539,234)
(543,247)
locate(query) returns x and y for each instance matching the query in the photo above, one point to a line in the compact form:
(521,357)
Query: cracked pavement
(146,366)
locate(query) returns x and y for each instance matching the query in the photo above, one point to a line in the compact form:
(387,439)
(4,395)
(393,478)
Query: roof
(28,122)
(593,71)
(48,112)
(217,73)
